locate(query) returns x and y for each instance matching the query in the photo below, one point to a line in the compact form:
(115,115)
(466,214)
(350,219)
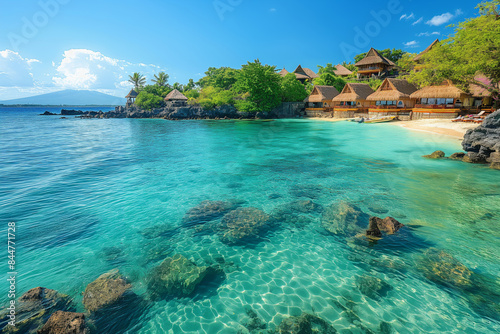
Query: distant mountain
(71,98)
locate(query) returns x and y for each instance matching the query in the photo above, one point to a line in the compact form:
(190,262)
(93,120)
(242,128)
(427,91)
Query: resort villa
(342,71)
(352,101)
(374,65)
(301,73)
(392,98)
(320,100)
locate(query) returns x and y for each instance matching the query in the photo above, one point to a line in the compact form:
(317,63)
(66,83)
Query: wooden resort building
(319,101)
(374,65)
(132,95)
(481,97)
(352,101)
(392,98)
(442,101)
(176,99)
(342,71)
(302,74)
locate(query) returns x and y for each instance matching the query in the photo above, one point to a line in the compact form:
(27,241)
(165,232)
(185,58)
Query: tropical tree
(327,77)
(292,90)
(406,63)
(190,85)
(161,79)
(178,86)
(470,56)
(138,80)
(223,77)
(261,83)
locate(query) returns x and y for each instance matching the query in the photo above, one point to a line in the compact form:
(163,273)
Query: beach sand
(439,126)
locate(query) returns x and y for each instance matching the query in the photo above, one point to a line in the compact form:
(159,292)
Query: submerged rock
(106,290)
(159,231)
(207,211)
(112,254)
(457,156)
(34,308)
(304,206)
(435,155)
(372,286)
(389,225)
(305,324)
(241,224)
(442,268)
(254,323)
(344,219)
(65,323)
(176,276)
(373,230)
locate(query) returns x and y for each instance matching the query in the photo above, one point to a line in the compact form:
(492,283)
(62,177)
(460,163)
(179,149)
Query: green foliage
(192,94)
(161,79)
(327,77)
(190,85)
(350,66)
(138,80)
(406,63)
(160,91)
(148,101)
(211,97)
(393,55)
(372,82)
(292,90)
(473,49)
(223,78)
(263,85)
(178,86)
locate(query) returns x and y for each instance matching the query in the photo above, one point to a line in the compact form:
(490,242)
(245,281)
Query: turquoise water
(75,187)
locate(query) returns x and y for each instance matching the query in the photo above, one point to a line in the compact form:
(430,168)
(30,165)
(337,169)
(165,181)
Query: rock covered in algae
(373,230)
(344,219)
(33,308)
(241,224)
(176,276)
(435,155)
(388,225)
(65,323)
(106,290)
(457,156)
(372,286)
(207,211)
(442,268)
(305,324)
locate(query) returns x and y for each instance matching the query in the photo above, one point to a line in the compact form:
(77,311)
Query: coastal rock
(495,165)
(373,230)
(344,219)
(389,225)
(241,224)
(442,268)
(435,155)
(176,276)
(372,286)
(207,211)
(48,113)
(481,142)
(106,290)
(305,324)
(33,309)
(457,156)
(65,323)
(71,112)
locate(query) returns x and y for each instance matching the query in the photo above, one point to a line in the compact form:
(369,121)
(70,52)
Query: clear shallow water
(75,187)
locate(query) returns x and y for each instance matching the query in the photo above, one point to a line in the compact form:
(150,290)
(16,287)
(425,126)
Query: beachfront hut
(374,64)
(439,99)
(176,98)
(392,98)
(342,71)
(132,95)
(320,99)
(352,100)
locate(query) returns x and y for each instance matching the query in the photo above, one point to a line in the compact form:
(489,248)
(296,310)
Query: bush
(148,101)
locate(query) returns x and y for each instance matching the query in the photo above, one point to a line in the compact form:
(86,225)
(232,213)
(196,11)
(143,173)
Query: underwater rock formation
(207,211)
(159,231)
(176,276)
(65,323)
(254,323)
(442,268)
(304,206)
(106,290)
(388,225)
(344,219)
(372,286)
(34,308)
(373,230)
(304,324)
(241,224)
(435,155)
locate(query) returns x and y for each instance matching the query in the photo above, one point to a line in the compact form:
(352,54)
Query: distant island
(67,97)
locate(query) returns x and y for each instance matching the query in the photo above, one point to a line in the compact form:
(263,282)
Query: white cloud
(87,69)
(272,10)
(16,71)
(407,17)
(434,33)
(412,44)
(443,18)
(417,21)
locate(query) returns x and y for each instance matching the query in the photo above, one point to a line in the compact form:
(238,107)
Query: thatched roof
(175,95)
(374,57)
(445,91)
(341,70)
(354,92)
(283,72)
(132,94)
(393,90)
(417,58)
(322,93)
(304,73)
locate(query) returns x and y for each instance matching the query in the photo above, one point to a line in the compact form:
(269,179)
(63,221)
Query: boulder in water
(389,225)
(207,211)
(373,230)
(435,155)
(372,286)
(107,290)
(241,224)
(457,156)
(442,268)
(65,323)
(344,219)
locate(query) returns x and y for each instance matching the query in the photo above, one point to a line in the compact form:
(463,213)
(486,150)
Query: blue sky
(49,45)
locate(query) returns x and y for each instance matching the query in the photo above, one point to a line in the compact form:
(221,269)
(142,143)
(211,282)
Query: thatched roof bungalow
(322,95)
(301,73)
(342,71)
(446,95)
(353,95)
(393,94)
(374,64)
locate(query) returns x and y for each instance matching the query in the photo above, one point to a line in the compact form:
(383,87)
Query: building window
(450,101)
(431,101)
(424,101)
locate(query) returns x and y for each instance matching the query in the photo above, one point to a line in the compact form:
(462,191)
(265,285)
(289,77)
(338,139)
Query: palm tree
(137,79)
(161,79)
